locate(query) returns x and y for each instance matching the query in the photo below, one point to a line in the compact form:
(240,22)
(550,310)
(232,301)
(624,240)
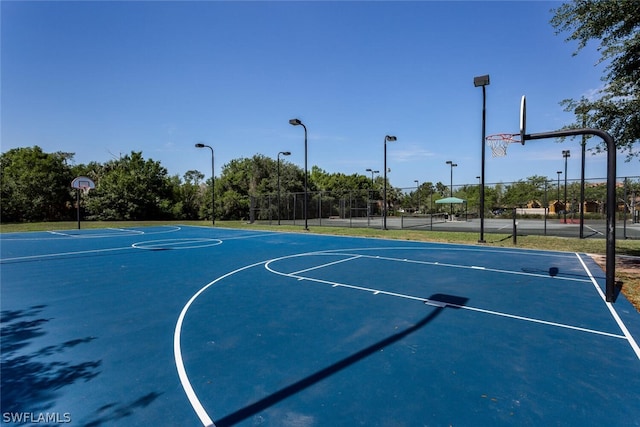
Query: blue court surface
(188,326)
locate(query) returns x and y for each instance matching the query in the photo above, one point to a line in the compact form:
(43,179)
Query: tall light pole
(566,154)
(213,184)
(284,153)
(418,193)
(372,172)
(558,190)
(452,165)
(372,184)
(484,82)
(297,122)
(384,193)
(481,225)
(583,111)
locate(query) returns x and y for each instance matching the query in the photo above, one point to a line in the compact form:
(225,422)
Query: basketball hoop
(499,143)
(84,184)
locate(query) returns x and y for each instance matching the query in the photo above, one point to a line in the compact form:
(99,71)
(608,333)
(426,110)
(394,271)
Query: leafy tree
(35,186)
(470,193)
(244,178)
(240,179)
(394,198)
(319,179)
(425,195)
(494,196)
(188,195)
(521,192)
(442,190)
(338,183)
(291,177)
(231,204)
(131,188)
(615,25)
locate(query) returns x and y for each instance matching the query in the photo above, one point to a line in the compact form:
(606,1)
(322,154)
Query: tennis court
(195,326)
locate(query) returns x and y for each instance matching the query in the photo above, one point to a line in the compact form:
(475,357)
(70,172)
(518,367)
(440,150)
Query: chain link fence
(544,213)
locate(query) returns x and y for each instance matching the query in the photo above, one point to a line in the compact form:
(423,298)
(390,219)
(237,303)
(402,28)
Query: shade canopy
(450,200)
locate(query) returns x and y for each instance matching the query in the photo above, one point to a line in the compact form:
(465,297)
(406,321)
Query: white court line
(249,236)
(426,300)
(126,230)
(338,284)
(327,264)
(440,264)
(184,243)
(123,232)
(57,233)
(475,267)
(595,231)
(614,313)
(177,350)
(90,235)
(534,320)
(458,248)
(93,251)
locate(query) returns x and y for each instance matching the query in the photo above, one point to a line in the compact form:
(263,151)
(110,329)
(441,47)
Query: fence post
(252,206)
(320,208)
(350,209)
(295,196)
(515,230)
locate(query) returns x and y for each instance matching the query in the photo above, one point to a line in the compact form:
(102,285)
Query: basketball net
(84,189)
(499,143)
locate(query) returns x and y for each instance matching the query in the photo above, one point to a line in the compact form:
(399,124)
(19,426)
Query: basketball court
(212,326)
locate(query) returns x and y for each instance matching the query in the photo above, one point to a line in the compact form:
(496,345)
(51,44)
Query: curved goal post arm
(611,196)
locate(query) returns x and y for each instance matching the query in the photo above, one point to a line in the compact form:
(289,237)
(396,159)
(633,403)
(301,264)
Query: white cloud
(408,154)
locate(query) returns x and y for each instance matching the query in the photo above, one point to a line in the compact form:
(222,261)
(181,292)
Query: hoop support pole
(78,206)
(611,197)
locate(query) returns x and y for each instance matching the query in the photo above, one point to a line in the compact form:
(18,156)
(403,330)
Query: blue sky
(101,79)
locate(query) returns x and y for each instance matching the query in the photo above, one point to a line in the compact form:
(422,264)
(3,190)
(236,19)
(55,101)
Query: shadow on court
(34,379)
(112,412)
(439,301)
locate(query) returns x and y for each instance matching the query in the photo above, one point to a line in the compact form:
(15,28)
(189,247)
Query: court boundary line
(129,233)
(133,246)
(632,342)
(481,268)
(62,254)
(130,230)
(216,242)
(120,232)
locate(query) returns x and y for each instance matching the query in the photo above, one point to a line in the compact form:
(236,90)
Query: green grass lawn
(628,273)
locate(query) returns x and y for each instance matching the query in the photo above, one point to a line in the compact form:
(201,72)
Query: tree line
(35,186)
